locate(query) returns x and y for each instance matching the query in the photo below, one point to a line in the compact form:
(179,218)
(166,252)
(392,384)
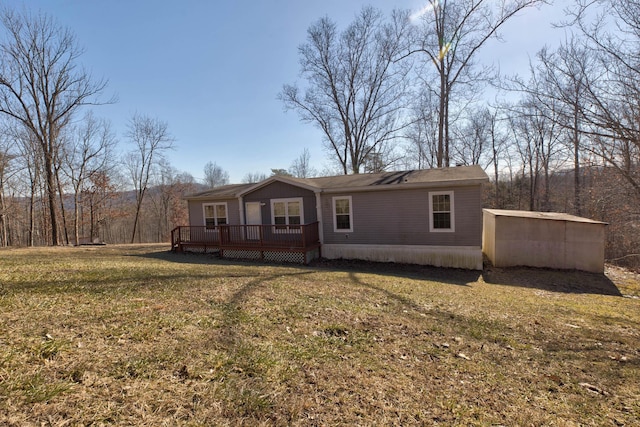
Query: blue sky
(213,69)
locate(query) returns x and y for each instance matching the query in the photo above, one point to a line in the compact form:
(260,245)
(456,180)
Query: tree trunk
(92,220)
(135,225)
(3,221)
(495,176)
(446,131)
(547,188)
(441,118)
(51,197)
(62,209)
(32,217)
(76,217)
(139,198)
(576,162)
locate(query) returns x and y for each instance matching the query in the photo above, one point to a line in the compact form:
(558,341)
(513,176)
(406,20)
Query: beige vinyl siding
(281,190)
(401,217)
(196,211)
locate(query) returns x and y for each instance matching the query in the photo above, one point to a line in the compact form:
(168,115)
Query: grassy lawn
(135,335)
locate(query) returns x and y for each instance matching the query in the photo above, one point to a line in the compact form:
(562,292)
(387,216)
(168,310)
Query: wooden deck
(294,243)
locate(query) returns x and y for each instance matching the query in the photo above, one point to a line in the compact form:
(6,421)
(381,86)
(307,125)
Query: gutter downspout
(319,215)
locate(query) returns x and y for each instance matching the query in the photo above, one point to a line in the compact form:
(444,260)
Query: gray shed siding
(401,217)
(196,211)
(281,190)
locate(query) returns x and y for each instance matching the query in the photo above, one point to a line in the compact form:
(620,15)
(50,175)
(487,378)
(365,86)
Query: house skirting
(467,257)
(301,256)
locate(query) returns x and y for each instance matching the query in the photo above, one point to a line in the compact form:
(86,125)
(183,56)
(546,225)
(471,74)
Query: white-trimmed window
(342,214)
(441,212)
(215,214)
(287,214)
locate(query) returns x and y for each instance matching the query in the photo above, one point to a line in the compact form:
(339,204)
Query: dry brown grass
(135,335)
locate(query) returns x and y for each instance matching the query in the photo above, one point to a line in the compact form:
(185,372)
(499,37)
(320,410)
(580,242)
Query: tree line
(403,91)
(62,180)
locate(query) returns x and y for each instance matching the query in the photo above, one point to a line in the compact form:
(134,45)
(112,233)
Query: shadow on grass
(179,257)
(565,281)
(450,276)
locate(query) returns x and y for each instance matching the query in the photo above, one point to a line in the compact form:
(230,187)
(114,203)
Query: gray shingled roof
(459,175)
(223,192)
(423,176)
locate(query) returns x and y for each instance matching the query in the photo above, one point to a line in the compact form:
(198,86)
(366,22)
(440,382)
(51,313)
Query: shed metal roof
(554,216)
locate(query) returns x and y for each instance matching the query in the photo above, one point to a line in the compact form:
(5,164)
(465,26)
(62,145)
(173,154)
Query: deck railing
(247,236)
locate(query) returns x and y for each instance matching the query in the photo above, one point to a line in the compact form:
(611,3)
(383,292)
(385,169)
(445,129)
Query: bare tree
(88,152)
(356,87)
(6,171)
(612,106)
(559,84)
(301,166)
(42,86)
(164,208)
(473,138)
(29,152)
(565,74)
(151,139)
(537,141)
(214,175)
(499,147)
(422,133)
(96,197)
(451,35)
(253,177)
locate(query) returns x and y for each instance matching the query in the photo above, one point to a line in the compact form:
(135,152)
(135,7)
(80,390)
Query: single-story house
(543,239)
(430,217)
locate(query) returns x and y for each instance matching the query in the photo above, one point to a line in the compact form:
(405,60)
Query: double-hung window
(215,214)
(287,214)
(342,214)
(441,211)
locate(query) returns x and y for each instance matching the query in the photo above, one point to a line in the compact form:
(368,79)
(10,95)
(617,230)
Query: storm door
(253,212)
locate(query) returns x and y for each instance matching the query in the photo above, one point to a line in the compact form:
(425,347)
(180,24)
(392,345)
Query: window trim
(451,211)
(335,215)
(286,227)
(215,217)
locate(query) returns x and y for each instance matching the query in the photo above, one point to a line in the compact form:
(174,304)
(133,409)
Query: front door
(254,217)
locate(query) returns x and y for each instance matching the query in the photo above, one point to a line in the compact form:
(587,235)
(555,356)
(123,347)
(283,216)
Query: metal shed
(543,239)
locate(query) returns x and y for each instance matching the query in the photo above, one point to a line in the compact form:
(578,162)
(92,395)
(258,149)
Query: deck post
(304,231)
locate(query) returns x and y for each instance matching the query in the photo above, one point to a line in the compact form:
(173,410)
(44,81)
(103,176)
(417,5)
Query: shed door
(254,217)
